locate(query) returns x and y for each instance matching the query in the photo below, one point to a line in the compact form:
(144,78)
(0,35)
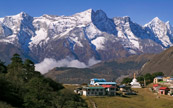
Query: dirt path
(92,103)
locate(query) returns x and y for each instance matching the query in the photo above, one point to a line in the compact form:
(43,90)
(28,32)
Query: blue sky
(140,11)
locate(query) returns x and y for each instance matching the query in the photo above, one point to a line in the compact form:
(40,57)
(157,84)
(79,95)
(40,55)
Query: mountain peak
(19,16)
(89,10)
(156,19)
(99,15)
(167,23)
(22,13)
(126,18)
(86,12)
(85,16)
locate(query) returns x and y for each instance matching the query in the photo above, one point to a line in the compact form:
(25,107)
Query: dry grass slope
(162,62)
(144,99)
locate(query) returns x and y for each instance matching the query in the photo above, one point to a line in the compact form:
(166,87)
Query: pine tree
(3,68)
(15,69)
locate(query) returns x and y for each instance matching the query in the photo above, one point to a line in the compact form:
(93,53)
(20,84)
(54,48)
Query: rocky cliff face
(82,36)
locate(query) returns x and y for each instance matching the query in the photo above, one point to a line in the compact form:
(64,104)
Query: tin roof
(163,88)
(159,77)
(107,83)
(122,86)
(95,87)
(108,86)
(155,85)
(99,80)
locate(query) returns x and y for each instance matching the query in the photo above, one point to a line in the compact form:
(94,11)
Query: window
(100,93)
(112,93)
(112,89)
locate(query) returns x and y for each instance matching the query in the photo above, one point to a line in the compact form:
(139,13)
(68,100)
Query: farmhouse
(94,91)
(98,87)
(94,80)
(156,87)
(110,90)
(163,90)
(105,83)
(170,80)
(157,79)
(171,90)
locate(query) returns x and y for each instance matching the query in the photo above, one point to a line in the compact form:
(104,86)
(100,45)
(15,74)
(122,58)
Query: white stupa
(134,83)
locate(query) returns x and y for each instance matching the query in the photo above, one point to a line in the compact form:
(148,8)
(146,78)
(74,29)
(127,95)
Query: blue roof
(121,86)
(159,77)
(106,82)
(98,80)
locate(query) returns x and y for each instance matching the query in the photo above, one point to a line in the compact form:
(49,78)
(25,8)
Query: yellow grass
(144,99)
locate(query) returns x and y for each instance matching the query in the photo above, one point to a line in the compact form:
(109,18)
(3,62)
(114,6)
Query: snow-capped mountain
(160,31)
(82,36)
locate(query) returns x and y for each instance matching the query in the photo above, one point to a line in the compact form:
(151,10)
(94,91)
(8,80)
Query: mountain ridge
(83,35)
(110,70)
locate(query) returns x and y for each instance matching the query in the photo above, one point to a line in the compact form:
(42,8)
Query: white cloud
(93,61)
(49,63)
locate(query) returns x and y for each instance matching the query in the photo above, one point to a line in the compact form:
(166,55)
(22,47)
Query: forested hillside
(21,86)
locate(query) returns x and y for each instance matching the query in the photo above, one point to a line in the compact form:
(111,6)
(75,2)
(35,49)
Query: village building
(98,87)
(163,90)
(166,78)
(94,80)
(125,88)
(157,79)
(170,80)
(110,90)
(170,90)
(78,91)
(134,83)
(122,88)
(105,83)
(156,87)
(94,91)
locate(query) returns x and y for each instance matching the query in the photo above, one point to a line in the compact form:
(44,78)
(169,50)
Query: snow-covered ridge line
(32,34)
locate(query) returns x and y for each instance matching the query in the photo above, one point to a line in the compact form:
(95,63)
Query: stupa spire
(135,83)
(134,75)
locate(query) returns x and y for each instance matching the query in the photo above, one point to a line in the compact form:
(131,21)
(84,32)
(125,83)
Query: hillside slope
(109,70)
(162,62)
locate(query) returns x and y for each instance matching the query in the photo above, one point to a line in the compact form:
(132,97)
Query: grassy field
(144,99)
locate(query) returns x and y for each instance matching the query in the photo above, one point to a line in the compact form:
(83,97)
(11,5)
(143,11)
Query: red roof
(108,86)
(163,88)
(155,85)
